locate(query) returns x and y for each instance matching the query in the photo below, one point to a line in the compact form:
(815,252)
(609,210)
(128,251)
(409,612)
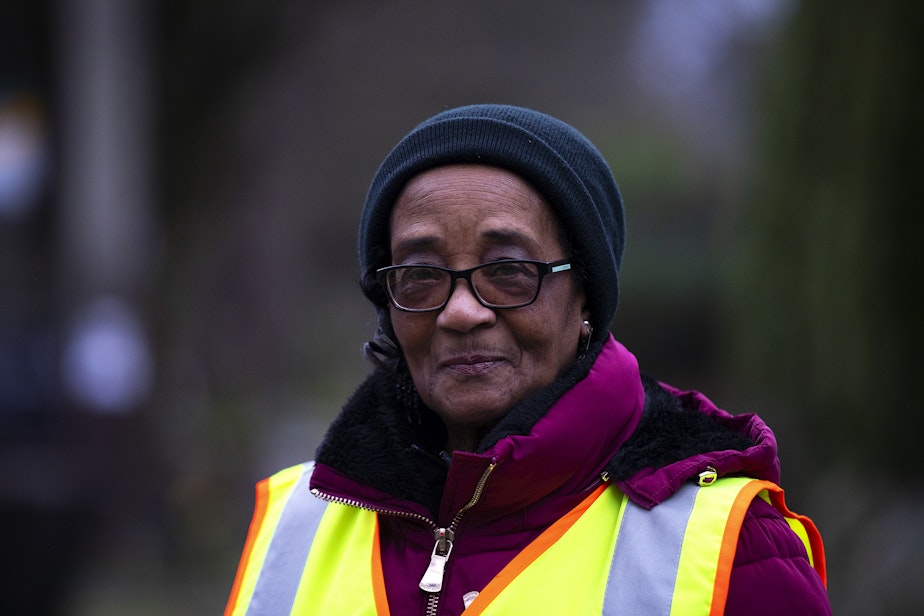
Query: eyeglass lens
(503,284)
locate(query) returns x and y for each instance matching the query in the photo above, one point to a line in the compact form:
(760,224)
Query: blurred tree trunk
(827,309)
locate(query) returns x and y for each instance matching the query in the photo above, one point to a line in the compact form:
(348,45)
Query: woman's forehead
(487,204)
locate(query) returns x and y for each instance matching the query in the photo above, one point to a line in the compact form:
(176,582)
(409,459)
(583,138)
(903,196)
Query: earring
(585,340)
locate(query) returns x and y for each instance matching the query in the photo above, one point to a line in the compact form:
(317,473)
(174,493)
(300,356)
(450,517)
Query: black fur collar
(669,432)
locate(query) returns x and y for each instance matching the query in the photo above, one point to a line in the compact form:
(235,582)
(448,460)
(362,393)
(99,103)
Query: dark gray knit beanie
(562,164)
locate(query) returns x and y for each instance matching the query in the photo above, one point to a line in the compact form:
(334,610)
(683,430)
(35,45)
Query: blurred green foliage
(829,285)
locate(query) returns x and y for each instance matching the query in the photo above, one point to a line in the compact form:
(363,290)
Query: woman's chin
(474,409)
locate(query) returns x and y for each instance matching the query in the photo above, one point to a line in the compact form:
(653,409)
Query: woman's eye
(419,274)
(510,269)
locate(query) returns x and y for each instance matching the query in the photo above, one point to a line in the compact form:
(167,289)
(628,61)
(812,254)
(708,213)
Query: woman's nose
(463,311)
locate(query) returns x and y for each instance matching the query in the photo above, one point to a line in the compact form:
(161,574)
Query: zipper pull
(432,580)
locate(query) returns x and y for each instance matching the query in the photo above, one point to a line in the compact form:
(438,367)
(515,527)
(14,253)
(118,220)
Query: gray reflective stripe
(288,551)
(647,556)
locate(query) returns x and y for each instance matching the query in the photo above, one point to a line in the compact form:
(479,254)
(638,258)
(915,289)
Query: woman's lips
(471,365)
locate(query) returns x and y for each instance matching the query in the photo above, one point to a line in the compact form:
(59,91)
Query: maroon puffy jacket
(600,419)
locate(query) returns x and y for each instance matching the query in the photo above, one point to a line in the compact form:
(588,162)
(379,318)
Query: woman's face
(470,363)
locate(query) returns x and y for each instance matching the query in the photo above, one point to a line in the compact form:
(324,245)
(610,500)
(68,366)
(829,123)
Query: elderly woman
(506,456)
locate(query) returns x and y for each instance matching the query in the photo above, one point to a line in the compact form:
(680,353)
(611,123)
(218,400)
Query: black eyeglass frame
(544,268)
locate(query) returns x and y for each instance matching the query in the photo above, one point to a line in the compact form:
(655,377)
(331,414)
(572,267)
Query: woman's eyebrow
(416,244)
(496,237)
(510,237)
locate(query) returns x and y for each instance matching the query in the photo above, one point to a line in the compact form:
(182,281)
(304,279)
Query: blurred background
(180,185)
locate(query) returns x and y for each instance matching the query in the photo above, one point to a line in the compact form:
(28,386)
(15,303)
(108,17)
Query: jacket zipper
(349,502)
(361,505)
(432,580)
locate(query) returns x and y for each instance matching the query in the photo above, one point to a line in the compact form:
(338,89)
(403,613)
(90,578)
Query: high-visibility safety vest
(306,556)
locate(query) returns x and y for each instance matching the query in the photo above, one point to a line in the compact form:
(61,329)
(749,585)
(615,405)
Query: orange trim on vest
(530,553)
(815,541)
(259,513)
(733,528)
(730,543)
(378,574)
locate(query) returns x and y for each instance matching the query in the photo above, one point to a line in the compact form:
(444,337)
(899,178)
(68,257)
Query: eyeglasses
(498,284)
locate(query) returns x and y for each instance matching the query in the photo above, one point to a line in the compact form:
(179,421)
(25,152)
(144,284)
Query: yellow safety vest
(607,556)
